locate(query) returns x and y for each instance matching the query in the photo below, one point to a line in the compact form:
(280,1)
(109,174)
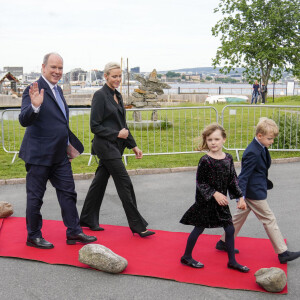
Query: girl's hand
(221,199)
(242,204)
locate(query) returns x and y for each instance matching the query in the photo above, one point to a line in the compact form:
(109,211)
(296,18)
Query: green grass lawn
(151,139)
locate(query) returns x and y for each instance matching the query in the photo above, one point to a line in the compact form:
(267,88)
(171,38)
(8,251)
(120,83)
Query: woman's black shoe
(238,267)
(144,234)
(93,228)
(191,263)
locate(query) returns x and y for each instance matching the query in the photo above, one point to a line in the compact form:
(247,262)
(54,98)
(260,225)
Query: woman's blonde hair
(266,126)
(207,131)
(110,66)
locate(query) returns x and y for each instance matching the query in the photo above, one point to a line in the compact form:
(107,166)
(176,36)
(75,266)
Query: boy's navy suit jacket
(47,132)
(253,179)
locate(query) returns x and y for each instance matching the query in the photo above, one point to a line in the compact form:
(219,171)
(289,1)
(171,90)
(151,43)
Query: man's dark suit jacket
(253,179)
(107,119)
(47,133)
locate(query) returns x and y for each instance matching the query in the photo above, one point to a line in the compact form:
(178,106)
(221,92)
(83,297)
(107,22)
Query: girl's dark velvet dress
(213,175)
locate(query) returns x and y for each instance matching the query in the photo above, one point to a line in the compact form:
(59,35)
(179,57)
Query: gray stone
(137,116)
(137,95)
(102,258)
(271,279)
(150,95)
(139,104)
(148,91)
(154,115)
(6,209)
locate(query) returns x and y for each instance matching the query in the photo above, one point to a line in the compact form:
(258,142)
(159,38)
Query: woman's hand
(221,199)
(138,152)
(123,134)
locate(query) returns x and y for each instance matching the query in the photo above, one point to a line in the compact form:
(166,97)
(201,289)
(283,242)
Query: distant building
(193,77)
(16,71)
(31,77)
(75,75)
(94,77)
(135,70)
(11,78)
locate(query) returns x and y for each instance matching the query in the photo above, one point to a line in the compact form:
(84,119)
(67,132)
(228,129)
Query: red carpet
(155,256)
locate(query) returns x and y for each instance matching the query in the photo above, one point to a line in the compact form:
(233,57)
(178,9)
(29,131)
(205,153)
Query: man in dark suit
(47,148)
(254,183)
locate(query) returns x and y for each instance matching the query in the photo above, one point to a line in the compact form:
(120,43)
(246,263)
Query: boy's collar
(259,142)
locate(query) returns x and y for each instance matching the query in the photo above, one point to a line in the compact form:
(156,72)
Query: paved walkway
(162,199)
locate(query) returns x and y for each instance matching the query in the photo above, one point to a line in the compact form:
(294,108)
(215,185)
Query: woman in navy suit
(112,136)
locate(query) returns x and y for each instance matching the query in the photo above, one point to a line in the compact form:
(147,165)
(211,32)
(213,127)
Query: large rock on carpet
(102,258)
(271,279)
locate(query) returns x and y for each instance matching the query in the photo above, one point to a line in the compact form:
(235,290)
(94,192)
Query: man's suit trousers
(93,200)
(61,177)
(265,215)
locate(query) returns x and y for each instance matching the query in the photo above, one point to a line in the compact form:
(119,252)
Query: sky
(161,34)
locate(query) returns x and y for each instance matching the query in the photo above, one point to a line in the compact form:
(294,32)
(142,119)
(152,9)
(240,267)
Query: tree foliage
(171,74)
(261,36)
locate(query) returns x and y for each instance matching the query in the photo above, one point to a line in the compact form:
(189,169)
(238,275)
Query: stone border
(85,176)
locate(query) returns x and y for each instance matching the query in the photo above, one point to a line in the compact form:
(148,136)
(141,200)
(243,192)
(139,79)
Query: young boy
(254,183)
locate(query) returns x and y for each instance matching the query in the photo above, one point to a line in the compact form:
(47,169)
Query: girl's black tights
(191,241)
(229,240)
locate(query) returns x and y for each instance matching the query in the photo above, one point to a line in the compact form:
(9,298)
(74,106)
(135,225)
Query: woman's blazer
(107,119)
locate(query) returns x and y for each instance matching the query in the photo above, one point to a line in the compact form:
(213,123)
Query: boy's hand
(241,203)
(221,199)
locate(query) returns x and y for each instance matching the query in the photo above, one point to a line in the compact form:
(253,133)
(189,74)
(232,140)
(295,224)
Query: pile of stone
(146,96)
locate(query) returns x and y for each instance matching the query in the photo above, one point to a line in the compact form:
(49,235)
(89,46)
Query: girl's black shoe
(191,263)
(238,267)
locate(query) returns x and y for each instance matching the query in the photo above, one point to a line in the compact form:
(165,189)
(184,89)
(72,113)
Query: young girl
(215,176)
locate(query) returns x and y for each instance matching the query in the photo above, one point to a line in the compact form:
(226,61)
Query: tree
(208,78)
(261,36)
(171,74)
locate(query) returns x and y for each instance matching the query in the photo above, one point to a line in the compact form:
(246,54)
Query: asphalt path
(162,199)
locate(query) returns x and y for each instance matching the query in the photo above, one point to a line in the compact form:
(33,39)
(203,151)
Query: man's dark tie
(60,101)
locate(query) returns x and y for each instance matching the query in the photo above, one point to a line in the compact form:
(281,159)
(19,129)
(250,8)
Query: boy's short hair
(265,126)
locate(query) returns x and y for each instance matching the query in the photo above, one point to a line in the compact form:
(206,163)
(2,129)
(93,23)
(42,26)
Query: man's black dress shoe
(196,264)
(222,247)
(80,238)
(40,243)
(288,256)
(238,267)
(93,228)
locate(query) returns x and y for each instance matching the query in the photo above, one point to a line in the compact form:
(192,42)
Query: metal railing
(240,122)
(174,131)
(162,131)
(157,131)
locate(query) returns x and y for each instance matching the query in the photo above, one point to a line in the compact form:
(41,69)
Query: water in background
(202,88)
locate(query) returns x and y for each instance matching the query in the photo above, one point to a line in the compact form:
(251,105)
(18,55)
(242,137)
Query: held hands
(36,96)
(123,134)
(138,152)
(241,203)
(221,199)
